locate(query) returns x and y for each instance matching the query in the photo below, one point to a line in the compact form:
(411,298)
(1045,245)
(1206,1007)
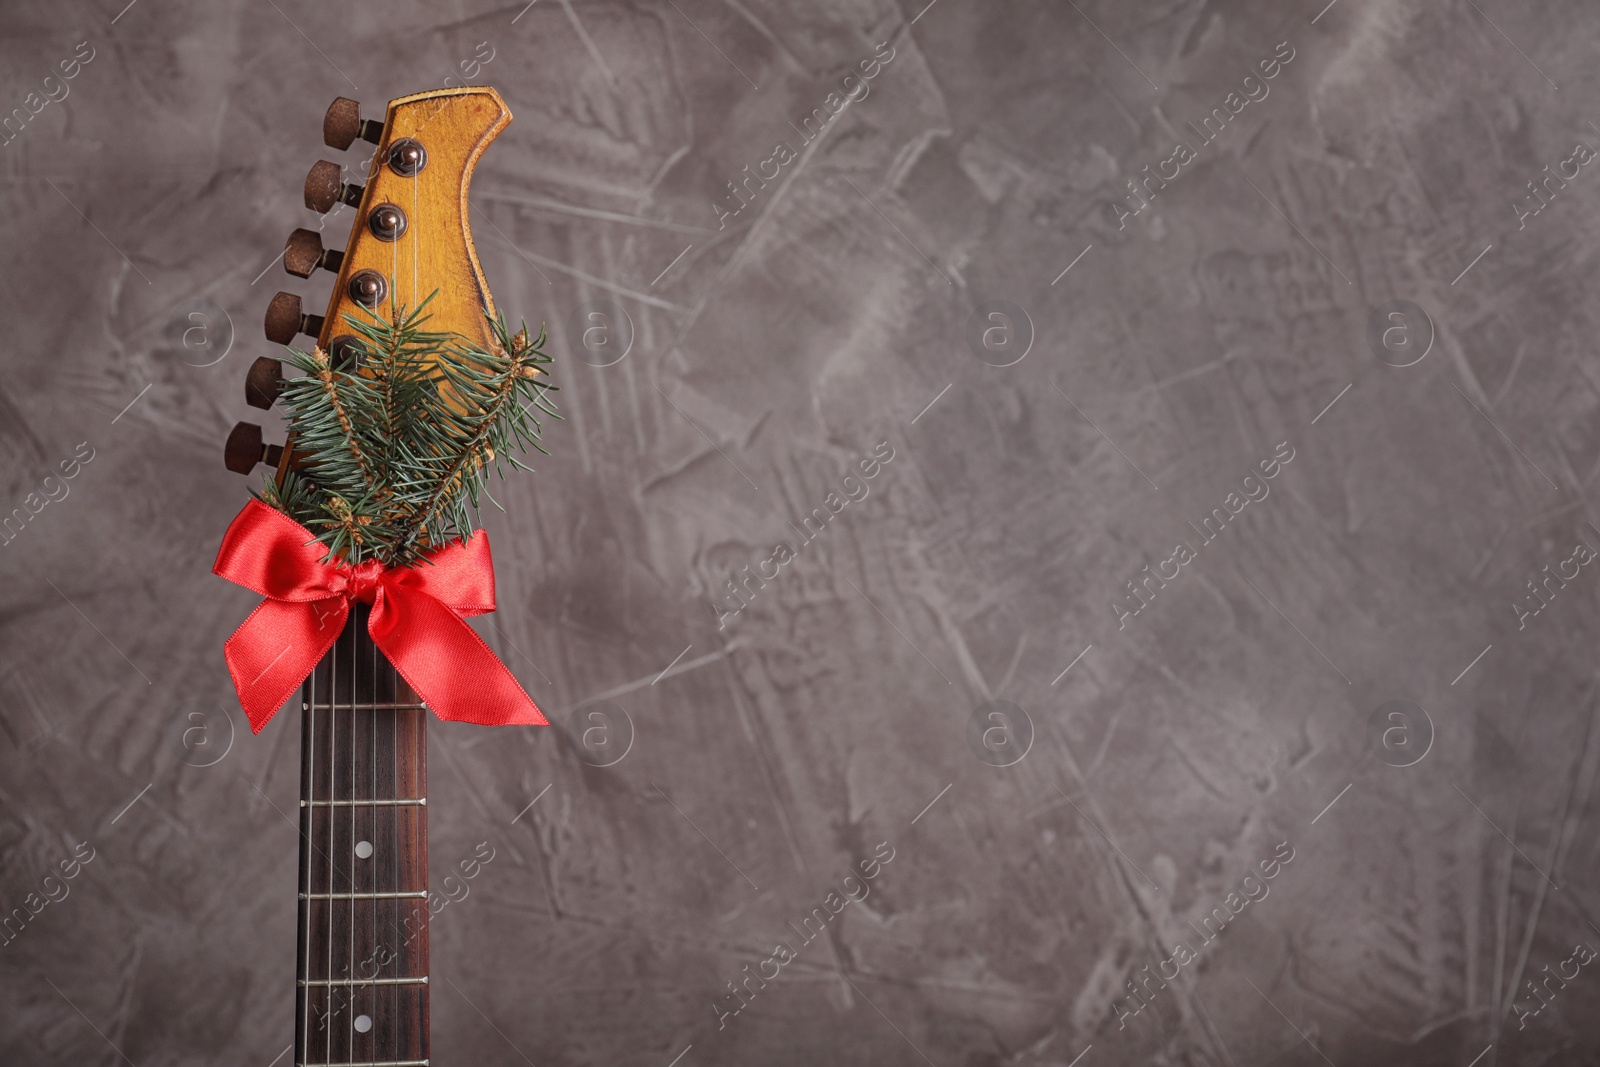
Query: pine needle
(394,454)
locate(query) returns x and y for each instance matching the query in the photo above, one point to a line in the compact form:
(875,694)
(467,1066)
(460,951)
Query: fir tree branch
(330,388)
(397,451)
(474,455)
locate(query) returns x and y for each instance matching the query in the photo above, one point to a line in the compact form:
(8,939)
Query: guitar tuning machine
(245,449)
(325,187)
(303,253)
(343,124)
(285,319)
(263,382)
(407,157)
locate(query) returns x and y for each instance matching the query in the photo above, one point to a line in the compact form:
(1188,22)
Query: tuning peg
(263,382)
(342,125)
(325,187)
(284,320)
(245,449)
(304,253)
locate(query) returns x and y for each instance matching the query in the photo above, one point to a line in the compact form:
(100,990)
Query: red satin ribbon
(416,620)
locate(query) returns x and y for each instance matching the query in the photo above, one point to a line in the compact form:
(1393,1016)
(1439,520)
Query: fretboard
(363,955)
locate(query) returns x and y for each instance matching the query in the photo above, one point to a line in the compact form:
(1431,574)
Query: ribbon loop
(416,620)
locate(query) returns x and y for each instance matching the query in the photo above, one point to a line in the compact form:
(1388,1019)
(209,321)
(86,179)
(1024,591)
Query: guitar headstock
(409,237)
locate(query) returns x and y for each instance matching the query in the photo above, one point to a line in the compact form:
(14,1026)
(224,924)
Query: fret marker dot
(363,1022)
(364,851)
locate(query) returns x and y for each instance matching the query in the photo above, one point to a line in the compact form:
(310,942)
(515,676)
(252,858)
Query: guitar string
(346,1007)
(374,168)
(417,815)
(413,717)
(394,1018)
(351,629)
(367,835)
(394,301)
(350,853)
(371,837)
(374,839)
(416,236)
(333,810)
(351,669)
(348,1039)
(394,883)
(310,793)
(333,750)
(360,879)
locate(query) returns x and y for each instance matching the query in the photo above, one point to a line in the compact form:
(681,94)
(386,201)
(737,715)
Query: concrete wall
(1342,281)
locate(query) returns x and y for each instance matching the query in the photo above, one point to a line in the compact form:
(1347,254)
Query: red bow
(416,620)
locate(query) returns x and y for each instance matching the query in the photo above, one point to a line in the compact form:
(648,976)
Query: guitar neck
(362,993)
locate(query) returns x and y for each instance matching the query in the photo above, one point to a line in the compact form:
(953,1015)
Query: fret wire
(362,803)
(380,706)
(370,1063)
(322,982)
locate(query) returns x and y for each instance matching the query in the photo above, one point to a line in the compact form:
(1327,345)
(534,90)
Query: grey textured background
(1164,766)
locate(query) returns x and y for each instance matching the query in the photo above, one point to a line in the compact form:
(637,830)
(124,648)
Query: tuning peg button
(245,449)
(343,124)
(304,253)
(285,319)
(263,382)
(325,187)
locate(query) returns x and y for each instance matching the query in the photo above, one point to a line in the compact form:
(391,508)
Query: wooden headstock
(409,238)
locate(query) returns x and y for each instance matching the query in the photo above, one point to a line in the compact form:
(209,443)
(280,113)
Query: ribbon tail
(272,651)
(446,662)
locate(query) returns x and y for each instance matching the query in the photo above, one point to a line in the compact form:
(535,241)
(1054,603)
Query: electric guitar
(362,975)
